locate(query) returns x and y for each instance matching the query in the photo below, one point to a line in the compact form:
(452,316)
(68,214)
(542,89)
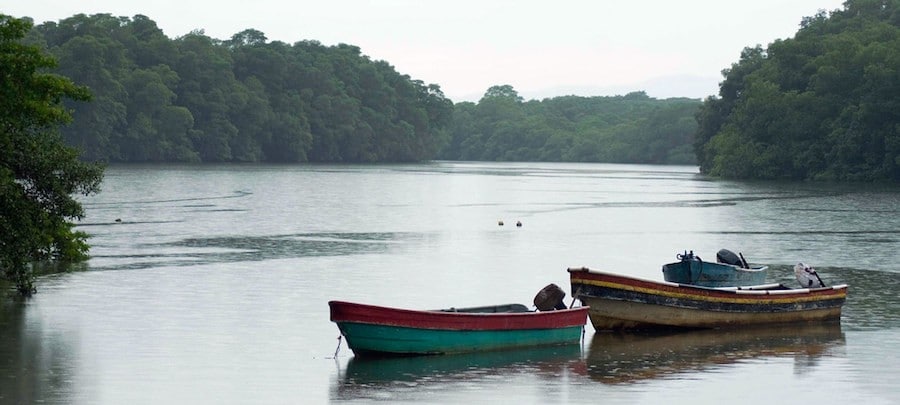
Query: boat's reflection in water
(396,377)
(609,358)
(617,358)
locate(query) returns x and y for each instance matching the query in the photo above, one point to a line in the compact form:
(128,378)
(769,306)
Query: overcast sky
(542,48)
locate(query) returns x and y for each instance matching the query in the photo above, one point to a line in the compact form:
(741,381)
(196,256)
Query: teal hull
(715,275)
(369,338)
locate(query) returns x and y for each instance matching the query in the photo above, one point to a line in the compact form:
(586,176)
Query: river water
(209,284)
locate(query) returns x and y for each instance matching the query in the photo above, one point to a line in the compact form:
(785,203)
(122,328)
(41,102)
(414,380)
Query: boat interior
(489,309)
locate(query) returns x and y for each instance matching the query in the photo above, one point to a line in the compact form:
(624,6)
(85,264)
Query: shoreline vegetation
(39,174)
(822,105)
(819,106)
(247,99)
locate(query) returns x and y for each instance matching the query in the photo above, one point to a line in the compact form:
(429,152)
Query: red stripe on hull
(352,312)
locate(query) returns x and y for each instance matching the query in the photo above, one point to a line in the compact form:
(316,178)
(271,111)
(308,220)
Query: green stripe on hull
(393,339)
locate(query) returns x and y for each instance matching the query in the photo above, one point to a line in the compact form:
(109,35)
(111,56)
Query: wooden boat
(728,270)
(619,302)
(371,329)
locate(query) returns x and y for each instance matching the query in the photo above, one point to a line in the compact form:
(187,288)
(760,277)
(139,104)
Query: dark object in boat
(728,257)
(550,298)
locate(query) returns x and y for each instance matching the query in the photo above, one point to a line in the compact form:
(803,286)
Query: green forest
(247,99)
(633,128)
(199,99)
(823,105)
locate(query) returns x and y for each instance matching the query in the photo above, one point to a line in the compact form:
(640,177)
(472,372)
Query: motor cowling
(550,298)
(728,257)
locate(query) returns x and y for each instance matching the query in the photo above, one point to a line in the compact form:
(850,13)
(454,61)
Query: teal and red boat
(377,330)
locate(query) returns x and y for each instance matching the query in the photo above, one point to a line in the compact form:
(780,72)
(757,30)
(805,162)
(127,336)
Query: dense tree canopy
(822,105)
(623,129)
(199,99)
(38,172)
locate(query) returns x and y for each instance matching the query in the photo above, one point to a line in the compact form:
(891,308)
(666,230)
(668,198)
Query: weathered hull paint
(371,329)
(620,302)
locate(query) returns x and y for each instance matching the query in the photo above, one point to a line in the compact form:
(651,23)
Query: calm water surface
(213,286)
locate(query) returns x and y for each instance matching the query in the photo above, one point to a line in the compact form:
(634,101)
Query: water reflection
(168,201)
(250,248)
(227,249)
(35,369)
(370,378)
(616,358)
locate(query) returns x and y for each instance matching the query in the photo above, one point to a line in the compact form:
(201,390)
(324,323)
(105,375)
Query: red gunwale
(342,311)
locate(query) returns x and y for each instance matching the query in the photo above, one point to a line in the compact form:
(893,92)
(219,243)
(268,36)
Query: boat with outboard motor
(377,330)
(729,270)
(619,302)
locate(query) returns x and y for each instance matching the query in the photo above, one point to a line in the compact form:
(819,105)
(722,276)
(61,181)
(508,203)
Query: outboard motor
(728,257)
(550,298)
(807,276)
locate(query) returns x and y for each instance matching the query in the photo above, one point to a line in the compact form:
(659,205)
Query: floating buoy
(500,222)
(519,224)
